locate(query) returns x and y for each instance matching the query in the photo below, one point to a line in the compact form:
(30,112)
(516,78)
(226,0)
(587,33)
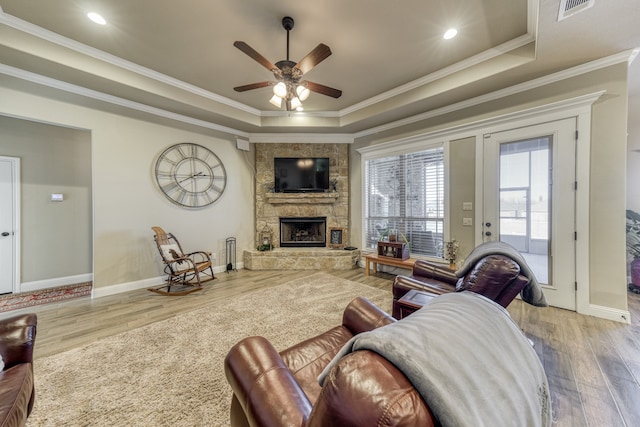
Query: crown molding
(100,55)
(625,56)
(50,36)
(509,91)
(467,129)
(282,113)
(100,96)
(511,45)
(442,73)
(308,138)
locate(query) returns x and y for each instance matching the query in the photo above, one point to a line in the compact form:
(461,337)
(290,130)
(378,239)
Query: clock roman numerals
(208,199)
(170,188)
(190,175)
(180,152)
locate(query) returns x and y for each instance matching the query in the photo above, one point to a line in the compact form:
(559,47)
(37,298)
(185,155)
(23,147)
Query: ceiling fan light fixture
(276,101)
(303,92)
(280,89)
(295,103)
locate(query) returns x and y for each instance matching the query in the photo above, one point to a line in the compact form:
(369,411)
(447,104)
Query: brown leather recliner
(17,391)
(497,277)
(272,389)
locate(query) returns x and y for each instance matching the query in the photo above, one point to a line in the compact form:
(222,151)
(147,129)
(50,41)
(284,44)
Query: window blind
(405,192)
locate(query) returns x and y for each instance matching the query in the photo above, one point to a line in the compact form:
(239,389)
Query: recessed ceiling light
(97,18)
(450,33)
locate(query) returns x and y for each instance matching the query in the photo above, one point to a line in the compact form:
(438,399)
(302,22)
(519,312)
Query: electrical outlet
(467,221)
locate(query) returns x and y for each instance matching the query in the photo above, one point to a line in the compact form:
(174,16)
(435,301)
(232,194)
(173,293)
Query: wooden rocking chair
(184,270)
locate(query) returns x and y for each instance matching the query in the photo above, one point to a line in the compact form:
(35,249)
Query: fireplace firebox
(303,232)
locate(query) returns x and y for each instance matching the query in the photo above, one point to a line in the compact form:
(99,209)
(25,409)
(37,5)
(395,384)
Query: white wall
(125,200)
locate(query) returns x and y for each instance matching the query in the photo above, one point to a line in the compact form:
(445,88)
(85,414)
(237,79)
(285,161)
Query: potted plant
(451,252)
(633,248)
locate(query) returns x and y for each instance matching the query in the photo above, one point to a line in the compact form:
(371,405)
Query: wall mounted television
(301,174)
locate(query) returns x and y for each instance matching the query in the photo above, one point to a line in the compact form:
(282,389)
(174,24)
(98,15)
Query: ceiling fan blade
(252,86)
(322,89)
(313,58)
(251,52)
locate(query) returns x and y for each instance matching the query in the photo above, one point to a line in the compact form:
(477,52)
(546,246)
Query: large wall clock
(190,175)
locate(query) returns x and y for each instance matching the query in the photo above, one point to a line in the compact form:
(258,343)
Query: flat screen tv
(301,175)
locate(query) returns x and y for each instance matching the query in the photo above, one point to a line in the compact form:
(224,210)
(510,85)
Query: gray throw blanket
(467,358)
(532,293)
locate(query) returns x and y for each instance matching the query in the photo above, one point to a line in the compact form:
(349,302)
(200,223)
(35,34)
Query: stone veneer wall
(271,206)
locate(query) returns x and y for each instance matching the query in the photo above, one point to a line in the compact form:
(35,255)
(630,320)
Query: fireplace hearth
(303,232)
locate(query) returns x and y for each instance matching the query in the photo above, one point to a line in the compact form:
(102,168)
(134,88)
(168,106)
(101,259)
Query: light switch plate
(467,206)
(467,221)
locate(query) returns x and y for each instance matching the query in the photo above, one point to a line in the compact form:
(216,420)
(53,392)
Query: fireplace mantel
(301,198)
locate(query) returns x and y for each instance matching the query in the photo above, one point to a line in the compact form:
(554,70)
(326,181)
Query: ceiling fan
(288,86)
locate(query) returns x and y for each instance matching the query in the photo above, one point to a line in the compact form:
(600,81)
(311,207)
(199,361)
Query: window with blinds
(405,193)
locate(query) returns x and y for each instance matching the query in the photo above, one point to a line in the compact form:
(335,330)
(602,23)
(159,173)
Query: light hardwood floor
(593,365)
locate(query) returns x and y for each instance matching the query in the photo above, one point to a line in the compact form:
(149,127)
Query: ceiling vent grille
(571,7)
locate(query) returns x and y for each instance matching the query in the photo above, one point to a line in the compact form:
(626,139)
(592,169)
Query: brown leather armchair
(272,389)
(497,277)
(461,359)
(17,392)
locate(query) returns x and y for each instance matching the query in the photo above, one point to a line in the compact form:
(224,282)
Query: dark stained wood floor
(593,365)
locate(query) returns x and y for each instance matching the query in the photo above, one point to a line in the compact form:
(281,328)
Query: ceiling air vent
(571,7)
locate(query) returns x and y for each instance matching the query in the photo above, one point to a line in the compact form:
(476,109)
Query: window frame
(397,148)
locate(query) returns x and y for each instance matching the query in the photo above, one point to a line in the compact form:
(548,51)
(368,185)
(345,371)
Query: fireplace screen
(303,232)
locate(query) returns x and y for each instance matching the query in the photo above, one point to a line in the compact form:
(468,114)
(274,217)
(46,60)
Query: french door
(9,168)
(529,201)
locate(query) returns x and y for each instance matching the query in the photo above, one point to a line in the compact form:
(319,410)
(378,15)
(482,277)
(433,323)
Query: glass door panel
(524,201)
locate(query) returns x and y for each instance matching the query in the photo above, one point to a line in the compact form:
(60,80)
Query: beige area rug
(171,373)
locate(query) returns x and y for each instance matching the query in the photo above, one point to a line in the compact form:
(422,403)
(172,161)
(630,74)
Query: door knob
(5,234)
(488,224)
(487,233)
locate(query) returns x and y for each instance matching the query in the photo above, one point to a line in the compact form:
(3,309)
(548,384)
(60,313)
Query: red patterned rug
(44,296)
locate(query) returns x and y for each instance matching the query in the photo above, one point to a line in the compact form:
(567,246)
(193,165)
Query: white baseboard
(146,283)
(608,313)
(105,291)
(55,282)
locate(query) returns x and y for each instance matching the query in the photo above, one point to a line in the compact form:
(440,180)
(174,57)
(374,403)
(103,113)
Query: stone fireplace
(332,206)
(303,232)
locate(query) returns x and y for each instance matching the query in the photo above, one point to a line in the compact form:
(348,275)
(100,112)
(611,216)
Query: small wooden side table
(376,259)
(414,300)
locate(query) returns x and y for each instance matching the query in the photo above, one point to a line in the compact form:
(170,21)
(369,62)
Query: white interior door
(8,203)
(529,201)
